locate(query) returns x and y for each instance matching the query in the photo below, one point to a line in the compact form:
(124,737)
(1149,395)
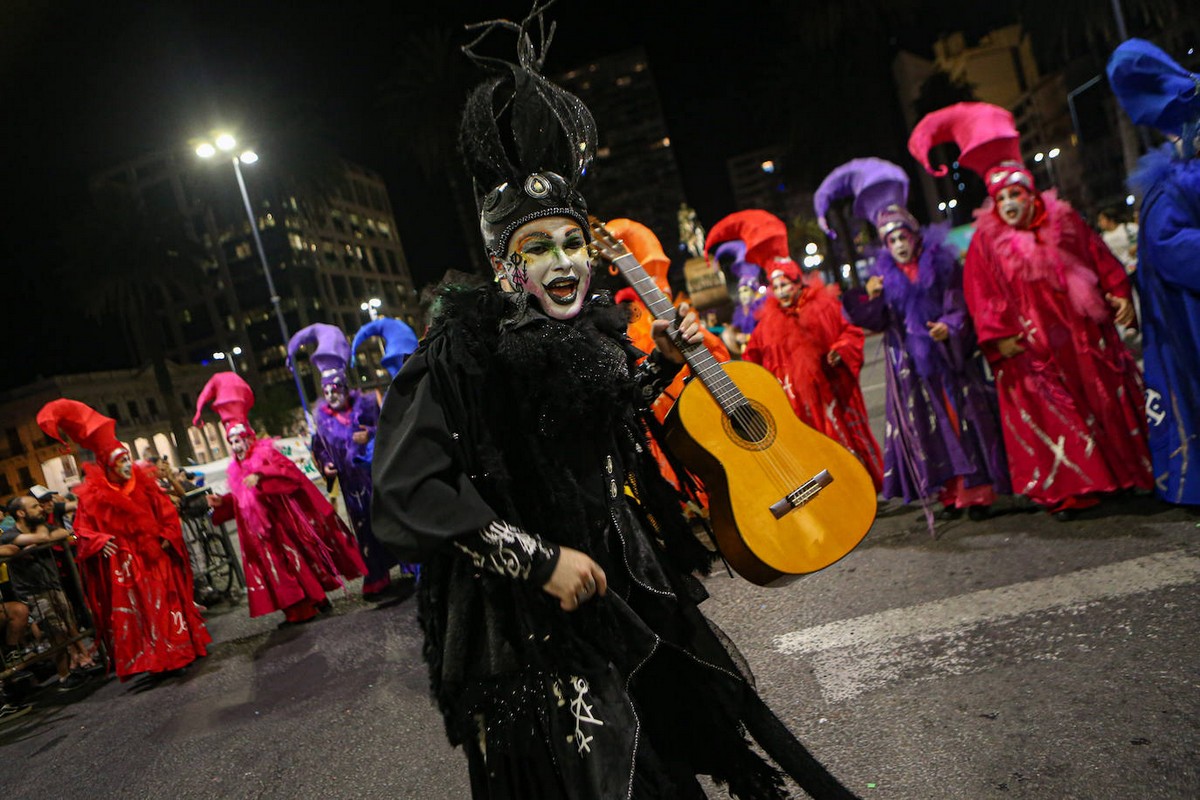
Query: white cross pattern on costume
(582,713)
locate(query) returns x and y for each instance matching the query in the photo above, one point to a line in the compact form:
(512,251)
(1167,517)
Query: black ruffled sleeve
(655,374)
(424,498)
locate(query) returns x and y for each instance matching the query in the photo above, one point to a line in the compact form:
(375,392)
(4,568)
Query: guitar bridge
(801,494)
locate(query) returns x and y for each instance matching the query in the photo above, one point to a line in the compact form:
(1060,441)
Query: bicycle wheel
(220,571)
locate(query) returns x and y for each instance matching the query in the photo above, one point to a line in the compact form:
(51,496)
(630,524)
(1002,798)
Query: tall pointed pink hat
(231,397)
(987,138)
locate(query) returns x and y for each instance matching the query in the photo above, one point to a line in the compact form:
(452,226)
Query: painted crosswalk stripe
(851,656)
(1114,580)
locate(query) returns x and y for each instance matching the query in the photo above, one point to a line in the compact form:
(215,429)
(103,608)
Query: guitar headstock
(607,246)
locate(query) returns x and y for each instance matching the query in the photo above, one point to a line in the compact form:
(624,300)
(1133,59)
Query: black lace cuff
(509,551)
(655,374)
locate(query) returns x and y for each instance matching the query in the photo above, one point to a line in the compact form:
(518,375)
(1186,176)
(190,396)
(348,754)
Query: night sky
(86,86)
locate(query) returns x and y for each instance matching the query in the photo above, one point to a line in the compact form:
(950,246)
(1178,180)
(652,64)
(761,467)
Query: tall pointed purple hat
(399,341)
(330,353)
(879,189)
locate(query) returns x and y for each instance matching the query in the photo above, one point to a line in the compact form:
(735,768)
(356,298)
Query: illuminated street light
(1038,158)
(226,143)
(1054,153)
(952,203)
(811,248)
(1130,199)
(372,307)
(942,206)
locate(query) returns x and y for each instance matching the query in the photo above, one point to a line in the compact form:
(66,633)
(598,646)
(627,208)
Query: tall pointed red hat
(232,399)
(987,138)
(764,233)
(62,419)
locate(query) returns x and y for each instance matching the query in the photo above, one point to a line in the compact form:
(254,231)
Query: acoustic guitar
(784,499)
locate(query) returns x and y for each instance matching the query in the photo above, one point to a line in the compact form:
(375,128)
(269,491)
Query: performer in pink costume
(294,546)
(1044,293)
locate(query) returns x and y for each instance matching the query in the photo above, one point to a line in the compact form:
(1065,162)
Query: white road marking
(855,655)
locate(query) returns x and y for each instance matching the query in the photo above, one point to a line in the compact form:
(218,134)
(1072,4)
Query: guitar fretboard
(706,368)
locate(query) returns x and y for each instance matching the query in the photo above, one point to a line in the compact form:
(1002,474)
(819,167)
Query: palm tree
(123,262)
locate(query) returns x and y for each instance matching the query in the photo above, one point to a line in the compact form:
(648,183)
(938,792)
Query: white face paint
(746,295)
(784,289)
(1015,204)
(238,446)
(902,245)
(335,395)
(548,258)
(123,466)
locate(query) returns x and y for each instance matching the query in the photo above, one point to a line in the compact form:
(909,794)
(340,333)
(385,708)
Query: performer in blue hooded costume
(943,437)
(345,426)
(1155,91)
(399,341)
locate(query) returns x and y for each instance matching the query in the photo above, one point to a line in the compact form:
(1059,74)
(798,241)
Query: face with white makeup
(902,244)
(548,259)
(239,445)
(123,467)
(1015,205)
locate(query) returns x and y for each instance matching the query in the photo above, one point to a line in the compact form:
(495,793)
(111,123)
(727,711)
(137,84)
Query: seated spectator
(36,582)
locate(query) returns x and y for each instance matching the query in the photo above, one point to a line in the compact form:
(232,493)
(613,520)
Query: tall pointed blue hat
(1152,88)
(330,353)
(399,341)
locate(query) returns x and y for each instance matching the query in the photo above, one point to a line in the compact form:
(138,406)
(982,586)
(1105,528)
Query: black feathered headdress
(526,141)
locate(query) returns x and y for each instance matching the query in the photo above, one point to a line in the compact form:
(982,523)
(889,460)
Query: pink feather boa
(1047,252)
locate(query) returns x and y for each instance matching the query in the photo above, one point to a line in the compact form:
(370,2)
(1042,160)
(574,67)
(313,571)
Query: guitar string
(777,463)
(749,419)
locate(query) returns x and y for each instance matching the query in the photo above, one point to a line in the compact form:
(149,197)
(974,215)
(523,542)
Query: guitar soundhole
(750,426)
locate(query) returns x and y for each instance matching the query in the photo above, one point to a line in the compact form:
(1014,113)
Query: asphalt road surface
(1019,657)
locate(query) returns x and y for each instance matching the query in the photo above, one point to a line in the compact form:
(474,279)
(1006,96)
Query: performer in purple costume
(942,431)
(346,421)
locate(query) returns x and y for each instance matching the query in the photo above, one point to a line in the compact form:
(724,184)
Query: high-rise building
(634,174)
(760,179)
(328,254)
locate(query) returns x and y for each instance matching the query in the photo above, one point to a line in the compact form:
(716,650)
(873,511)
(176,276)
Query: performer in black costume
(565,647)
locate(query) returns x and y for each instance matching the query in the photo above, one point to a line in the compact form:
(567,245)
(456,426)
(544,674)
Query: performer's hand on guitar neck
(668,338)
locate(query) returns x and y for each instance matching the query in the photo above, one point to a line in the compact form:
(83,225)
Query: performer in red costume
(804,340)
(1044,292)
(294,546)
(132,558)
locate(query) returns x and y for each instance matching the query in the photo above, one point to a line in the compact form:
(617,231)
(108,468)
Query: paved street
(1015,658)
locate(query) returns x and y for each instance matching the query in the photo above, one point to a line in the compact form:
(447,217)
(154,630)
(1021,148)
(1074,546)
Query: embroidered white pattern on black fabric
(512,550)
(582,711)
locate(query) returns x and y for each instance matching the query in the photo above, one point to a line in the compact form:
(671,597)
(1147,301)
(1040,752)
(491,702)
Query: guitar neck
(704,366)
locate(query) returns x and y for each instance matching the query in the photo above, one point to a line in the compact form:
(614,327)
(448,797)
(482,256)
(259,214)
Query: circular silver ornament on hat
(537,187)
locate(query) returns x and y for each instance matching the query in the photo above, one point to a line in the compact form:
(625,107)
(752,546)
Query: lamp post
(225,143)
(372,307)
(221,355)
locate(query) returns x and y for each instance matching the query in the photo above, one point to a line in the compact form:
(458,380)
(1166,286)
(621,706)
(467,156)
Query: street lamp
(372,307)
(226,143)
(220,355)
